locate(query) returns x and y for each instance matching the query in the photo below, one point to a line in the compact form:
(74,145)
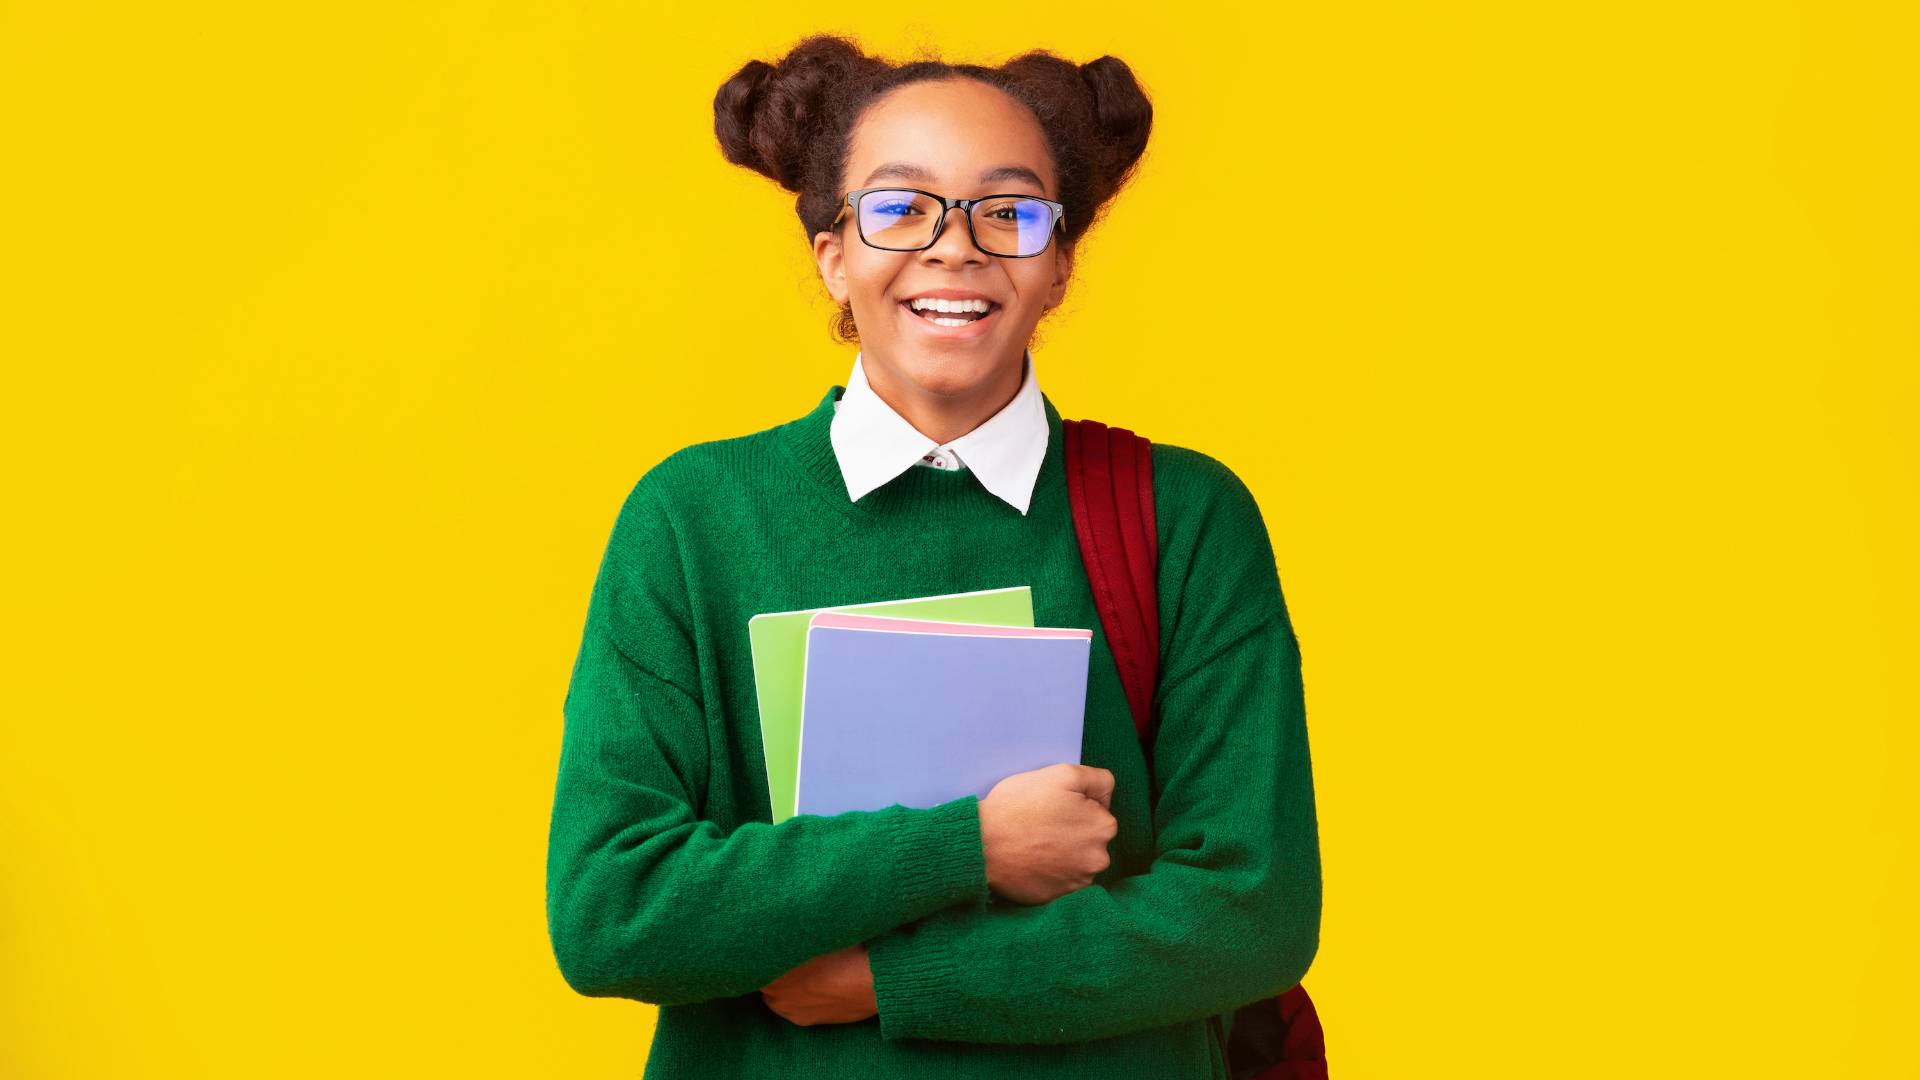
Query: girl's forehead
(920,146)
(966,106)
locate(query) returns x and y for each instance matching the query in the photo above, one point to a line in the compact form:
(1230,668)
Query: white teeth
(923,303)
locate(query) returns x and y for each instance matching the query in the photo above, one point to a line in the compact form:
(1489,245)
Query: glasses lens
(898,220)
(1013,226)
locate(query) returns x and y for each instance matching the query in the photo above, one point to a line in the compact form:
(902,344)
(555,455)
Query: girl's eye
(893,208)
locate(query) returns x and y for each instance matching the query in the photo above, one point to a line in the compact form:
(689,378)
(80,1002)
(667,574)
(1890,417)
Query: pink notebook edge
(851,621)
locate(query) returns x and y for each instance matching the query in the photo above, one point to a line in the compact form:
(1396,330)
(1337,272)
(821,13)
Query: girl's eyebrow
(907,170)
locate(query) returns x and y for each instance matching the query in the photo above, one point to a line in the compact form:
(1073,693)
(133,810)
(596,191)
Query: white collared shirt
(874,444)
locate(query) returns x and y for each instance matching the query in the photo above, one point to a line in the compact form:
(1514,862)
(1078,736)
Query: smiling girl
(1090,919)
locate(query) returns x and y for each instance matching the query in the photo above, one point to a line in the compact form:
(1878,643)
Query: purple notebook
(919,713)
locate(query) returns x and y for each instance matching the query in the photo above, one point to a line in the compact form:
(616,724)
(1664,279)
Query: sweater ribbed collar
(940,493)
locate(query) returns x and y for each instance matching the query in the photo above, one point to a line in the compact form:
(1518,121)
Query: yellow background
(1570,350)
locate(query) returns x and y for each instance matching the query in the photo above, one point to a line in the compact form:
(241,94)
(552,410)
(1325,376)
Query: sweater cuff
(941,856)
(915,983)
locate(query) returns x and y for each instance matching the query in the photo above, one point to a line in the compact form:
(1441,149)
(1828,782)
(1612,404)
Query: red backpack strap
(1110,487)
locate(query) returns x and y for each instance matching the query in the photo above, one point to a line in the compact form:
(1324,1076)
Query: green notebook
(779,642)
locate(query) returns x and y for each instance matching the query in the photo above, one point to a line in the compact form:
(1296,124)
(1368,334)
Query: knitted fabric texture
(667,884)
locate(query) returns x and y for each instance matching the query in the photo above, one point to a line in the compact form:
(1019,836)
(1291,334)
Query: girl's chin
(946,374)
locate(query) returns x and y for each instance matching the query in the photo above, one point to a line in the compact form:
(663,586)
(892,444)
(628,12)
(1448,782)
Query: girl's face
(962,139)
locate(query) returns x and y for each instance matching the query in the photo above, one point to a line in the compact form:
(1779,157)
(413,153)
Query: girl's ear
(832,263)
(1062,272)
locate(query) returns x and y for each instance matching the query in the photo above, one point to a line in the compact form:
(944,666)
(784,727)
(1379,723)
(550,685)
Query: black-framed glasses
(908,219)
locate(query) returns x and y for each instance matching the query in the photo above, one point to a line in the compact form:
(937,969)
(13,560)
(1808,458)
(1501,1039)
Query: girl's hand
(833,989)
(1046,831)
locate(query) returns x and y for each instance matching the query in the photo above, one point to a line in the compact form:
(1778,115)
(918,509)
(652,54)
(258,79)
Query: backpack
(1110,488)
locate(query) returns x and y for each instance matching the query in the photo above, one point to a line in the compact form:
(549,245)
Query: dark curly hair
(792,121)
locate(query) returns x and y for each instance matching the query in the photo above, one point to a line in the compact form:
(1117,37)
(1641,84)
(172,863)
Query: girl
(1083,920)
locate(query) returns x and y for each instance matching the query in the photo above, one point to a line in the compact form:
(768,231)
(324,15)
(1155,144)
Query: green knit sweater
(667,884)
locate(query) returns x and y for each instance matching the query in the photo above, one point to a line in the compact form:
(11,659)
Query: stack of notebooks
(916,702)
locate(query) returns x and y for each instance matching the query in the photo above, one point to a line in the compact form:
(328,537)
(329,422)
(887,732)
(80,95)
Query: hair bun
(768,118)
(733,109)
(1122,110)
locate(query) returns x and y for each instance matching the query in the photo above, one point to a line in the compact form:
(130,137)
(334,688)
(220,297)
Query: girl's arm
(647,901)
(1229,911)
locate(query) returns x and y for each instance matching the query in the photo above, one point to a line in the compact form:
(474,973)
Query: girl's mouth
(952,324)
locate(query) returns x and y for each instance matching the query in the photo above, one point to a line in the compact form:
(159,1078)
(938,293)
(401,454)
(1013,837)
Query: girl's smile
(953,314)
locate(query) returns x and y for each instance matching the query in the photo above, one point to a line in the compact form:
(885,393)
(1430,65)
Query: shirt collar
(874,444)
